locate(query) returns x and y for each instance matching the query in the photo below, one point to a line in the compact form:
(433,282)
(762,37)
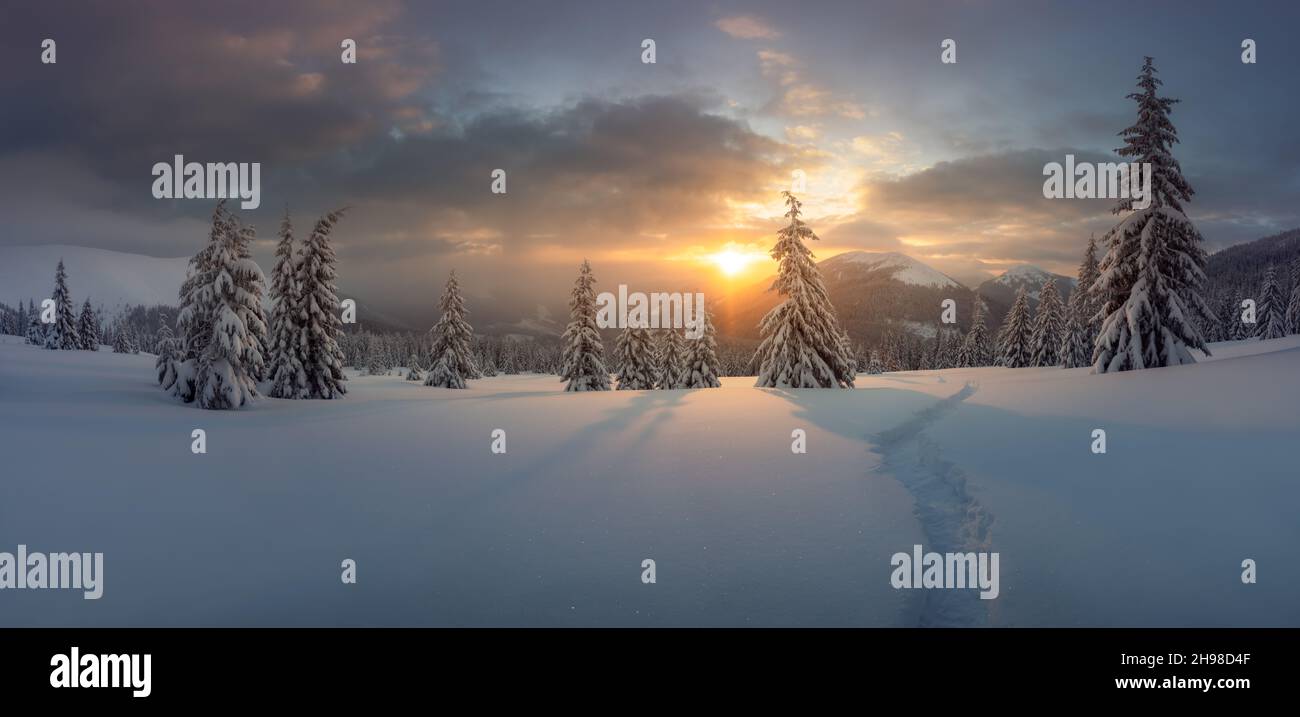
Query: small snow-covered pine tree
(1013,340)
(35,329)
(1271,313)
(802,344)
(874,364)
(453,360)
(167,355)
(671,360)
(62,334)
(1293,311)
(509,358)
(288,379)
(1076,348)
(122,339)
(413,370)
(1151,275)
(1049,327)
(318,314)
(584,355)
(975,349)
(702,356)
(88,328)
(634,353)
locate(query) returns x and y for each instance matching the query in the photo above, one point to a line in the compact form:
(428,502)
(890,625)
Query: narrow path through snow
(952,519)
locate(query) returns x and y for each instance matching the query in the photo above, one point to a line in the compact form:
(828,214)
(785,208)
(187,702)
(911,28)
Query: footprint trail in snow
(951,518)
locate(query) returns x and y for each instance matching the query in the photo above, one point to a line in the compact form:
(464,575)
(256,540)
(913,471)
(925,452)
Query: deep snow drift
(1199,475)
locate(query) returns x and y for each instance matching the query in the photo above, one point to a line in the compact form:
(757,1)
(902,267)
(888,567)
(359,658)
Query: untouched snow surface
(1199,475)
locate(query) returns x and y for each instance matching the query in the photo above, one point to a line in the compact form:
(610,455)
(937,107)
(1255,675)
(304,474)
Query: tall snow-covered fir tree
(1017,329)
(288,379)
(254,282)
(88,328)
(231,291)
(802,344)
(318,313)
(62,334)
(583,354)
(670,360)
(1049,327)
(1086,280)
(194,319)
(702,356)
(1076,344)
(1151,276)
(634,354)
(1270,316)
(453,358)
(975,349)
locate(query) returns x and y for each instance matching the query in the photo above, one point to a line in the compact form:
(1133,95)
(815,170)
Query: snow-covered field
(1199,475)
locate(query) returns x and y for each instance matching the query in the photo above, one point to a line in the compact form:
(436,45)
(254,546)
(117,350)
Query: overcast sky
(646,169)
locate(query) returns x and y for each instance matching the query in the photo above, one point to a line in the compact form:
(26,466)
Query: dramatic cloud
(747,27)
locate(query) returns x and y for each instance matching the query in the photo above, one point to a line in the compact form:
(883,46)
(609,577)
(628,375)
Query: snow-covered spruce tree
(288,380)
(318,313)
(453,359)
(1086,280)
(975,349)
(509,358)
(584,355)
(1271,314)
(1049,327)
(413,370)
(874,364)
(245,235)
(634,354)
(62,334)
(802,344)
(1013,340)
(231,289)
(1076,347)
(35,329)
(671,362)
(1151,276)
(377,360)
(702,356)
(167,355)
(121,339)
(489,368)
(88,328)
(194,319)
(1293,311)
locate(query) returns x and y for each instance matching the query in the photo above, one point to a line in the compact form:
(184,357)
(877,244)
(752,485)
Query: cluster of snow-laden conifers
(69,331)
(225,345)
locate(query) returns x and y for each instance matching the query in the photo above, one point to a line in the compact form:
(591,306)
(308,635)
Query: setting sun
(733,259)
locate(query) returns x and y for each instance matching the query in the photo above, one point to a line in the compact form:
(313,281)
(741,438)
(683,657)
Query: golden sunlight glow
(734,259)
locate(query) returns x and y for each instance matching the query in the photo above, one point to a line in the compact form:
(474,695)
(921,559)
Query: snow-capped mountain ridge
(902,267)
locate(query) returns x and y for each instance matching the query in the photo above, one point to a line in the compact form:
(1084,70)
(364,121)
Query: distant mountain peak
(1023,272)
(901,266)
